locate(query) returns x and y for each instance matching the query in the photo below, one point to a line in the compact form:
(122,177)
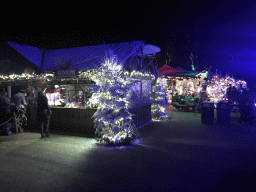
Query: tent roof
(33,54)
(91,57)
(176,72)
(183,74)
(82,58)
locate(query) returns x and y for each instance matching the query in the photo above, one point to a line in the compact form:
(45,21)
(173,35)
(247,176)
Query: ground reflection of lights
(78,144)
(135,143)
(132,145)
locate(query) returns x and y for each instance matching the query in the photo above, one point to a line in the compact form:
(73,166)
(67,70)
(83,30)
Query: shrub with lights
(217,89)
(113,121)
(158,108)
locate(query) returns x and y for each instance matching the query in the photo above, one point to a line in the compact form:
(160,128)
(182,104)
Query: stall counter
(72,119)
(80,120)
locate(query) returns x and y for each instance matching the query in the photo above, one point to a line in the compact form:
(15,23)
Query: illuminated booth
(68,88)
(183,82)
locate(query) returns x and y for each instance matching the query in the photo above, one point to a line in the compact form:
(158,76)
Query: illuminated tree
(113,121)
(193,47)
(192,61)
(158,108)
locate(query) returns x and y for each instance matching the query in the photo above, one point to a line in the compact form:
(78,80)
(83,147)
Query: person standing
(243,107)
(189,102)
(234,95)
(5,103)
(229,93)
(250,106)
(176,101)
(43,114)
(19,99)
(4,107)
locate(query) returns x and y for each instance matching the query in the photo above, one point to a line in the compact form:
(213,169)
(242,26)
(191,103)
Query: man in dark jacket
(43,114)
(189,102)
(243,105)
(229,93)
(175,101)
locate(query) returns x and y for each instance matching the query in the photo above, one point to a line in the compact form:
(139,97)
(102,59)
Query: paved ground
(181,155)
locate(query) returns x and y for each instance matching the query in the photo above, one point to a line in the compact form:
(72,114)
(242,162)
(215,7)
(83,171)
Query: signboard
(69,73)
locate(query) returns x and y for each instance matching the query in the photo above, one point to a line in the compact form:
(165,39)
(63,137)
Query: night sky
(222,34)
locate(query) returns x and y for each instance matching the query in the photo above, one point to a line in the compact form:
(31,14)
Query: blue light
(33,54)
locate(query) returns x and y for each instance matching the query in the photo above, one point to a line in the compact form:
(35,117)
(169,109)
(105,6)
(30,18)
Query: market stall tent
(129,54)
(179,76)
(182,81)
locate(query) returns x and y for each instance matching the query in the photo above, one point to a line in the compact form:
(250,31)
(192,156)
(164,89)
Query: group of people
(8,107)
(233,94)
(245,99)
(187,100)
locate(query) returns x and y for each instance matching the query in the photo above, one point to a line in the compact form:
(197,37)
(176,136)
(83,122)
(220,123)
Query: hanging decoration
(27,76)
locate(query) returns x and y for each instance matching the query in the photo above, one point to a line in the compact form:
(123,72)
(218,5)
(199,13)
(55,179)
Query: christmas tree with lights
(158,108)
(113,121)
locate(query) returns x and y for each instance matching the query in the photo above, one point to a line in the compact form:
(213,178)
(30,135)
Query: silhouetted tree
(65,65)
(185,46)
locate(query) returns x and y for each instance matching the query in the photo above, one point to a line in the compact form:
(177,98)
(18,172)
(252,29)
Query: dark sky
(226,30)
